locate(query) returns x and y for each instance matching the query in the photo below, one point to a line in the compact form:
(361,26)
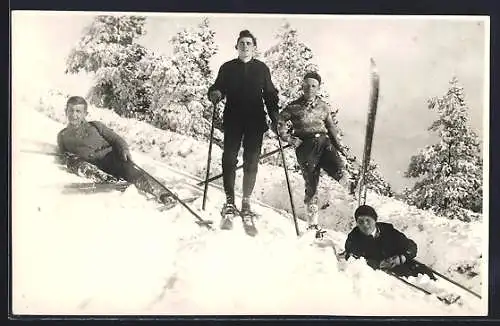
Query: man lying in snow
(92,144)
(382,245)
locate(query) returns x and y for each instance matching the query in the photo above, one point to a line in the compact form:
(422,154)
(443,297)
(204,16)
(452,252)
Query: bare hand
(126,156)
(392,262)
(295,141)
(343,161)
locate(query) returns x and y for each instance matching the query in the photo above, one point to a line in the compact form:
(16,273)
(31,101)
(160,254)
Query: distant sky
(416,59)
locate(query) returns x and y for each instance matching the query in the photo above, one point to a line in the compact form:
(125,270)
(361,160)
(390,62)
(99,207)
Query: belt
(315,135)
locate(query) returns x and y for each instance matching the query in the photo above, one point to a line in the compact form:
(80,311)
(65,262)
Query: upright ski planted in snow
(370,127)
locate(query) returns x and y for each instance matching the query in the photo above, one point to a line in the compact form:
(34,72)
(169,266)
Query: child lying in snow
(382,245)
(100,146)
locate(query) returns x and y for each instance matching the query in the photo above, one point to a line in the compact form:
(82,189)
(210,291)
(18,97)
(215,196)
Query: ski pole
(418,288)
(450,280)
(289,187)
(209,156)
(408,283)
(200,221)
(241,165)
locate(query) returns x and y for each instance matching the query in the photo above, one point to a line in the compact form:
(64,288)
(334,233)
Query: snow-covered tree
(135,82)
(181,103)
(450,171)
(193,49)
(289,60)
(108,49)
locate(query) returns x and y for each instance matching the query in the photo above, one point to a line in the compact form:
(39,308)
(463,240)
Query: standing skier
(246,84)
(307,124)
(92,142)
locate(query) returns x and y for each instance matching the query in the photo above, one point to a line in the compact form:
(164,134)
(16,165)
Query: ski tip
(373,66)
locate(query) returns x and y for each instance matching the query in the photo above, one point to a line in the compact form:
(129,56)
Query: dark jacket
(246,87)
(387,243)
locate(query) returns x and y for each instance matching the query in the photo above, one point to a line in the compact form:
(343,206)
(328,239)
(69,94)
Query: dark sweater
(247,86)
(388,242)
(92,141)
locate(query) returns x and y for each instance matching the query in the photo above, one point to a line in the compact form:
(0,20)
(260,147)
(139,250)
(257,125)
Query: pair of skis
(105,182)
(248,221)
(89,188)
(445,296)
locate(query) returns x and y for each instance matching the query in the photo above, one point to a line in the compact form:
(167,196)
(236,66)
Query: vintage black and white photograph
(249,164)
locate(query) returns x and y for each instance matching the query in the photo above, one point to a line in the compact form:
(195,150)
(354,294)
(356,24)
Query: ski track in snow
(115,253)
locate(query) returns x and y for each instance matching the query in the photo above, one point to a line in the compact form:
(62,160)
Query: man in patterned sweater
(92,142)
(307,124)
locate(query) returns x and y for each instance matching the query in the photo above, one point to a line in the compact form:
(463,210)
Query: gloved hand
(215,96)
(392,262)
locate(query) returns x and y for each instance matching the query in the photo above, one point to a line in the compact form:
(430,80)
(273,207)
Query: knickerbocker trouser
(313,155)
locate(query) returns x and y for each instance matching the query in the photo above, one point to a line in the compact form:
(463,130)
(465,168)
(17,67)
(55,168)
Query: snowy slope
(457,249)
(115,253)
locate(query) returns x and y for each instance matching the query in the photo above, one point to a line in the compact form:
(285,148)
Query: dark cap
(246,33)
(313,75)
(365,210)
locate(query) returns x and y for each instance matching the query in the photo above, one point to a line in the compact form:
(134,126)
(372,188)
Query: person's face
(366,224)
(76,114)
(245,47)
(310,87)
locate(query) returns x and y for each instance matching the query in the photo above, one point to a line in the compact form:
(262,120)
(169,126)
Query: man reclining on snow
(382,245)
(92,142)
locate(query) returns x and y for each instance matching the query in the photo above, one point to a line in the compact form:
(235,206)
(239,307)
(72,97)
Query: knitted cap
(365,210)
